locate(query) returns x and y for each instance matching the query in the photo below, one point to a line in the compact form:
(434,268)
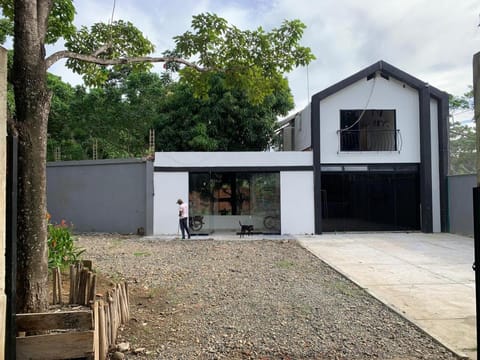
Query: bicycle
(195,222)
(271,222)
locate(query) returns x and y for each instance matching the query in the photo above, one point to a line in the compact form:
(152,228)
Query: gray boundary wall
(102,195)
(460,203)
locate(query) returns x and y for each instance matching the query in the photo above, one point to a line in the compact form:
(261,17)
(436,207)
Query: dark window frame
(350,133)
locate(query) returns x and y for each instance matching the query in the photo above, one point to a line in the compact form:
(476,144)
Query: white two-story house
(380,144)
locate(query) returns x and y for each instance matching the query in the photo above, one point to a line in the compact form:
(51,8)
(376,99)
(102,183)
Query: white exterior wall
(297,205)
(168,188)
(232,159)
(387,94)
(303,129)
(436,218)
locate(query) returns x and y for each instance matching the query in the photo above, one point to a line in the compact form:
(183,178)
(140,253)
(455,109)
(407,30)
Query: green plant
(141,254)
(61,249)
(285,264)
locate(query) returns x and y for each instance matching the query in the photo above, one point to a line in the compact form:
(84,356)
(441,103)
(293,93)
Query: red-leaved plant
(61,248)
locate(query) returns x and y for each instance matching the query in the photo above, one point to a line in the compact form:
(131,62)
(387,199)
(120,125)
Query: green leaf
(124,41)
(249,59)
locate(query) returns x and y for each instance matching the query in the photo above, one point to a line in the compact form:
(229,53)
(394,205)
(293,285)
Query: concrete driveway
(427,278)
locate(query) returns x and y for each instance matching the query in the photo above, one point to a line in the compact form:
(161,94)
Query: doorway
(224,200)
(371,201)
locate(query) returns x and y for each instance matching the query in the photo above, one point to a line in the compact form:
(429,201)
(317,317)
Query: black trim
(425,161)
(443,158)
(233,168)
(386,70)
(376,168)
(476,249)
(317,170)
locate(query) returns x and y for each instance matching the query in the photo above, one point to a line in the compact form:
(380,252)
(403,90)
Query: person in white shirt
(183,217)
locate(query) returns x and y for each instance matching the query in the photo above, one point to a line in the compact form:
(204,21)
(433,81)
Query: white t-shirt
(183,211)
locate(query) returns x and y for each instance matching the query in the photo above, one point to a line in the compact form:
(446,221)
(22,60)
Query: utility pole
(476,190)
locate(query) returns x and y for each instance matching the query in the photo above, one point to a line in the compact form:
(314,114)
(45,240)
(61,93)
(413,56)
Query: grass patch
(115,243)
(347,288)
(285,264)
(141,254)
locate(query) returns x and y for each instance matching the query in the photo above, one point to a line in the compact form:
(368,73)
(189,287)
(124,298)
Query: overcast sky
(433,40)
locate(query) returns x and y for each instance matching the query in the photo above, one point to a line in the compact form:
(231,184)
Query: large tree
(251,60)
(225,120)
(462,153)
(116,116)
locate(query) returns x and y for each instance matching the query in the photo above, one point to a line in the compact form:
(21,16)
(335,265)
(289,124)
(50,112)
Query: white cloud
(431,40)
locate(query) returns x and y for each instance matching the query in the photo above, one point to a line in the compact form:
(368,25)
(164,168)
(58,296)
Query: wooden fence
(55,344)
(72,334)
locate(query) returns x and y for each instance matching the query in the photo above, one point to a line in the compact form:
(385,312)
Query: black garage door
(379,199)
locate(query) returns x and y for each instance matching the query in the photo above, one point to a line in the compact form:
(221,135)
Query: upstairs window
(368,130)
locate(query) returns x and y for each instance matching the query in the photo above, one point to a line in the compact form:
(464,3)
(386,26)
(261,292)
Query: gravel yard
(205,299)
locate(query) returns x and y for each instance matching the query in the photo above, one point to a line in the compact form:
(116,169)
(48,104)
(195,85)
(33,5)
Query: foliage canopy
(462,142)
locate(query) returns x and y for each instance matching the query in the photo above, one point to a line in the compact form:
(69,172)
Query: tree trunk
(32,102)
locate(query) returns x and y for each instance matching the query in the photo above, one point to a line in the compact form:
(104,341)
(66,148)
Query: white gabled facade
(420,114)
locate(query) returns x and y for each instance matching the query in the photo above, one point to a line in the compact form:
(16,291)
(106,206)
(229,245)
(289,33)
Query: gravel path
(205,299)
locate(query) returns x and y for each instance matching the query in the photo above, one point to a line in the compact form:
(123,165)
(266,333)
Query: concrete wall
(297,205)
(460,203)
(169,187)
(3,176)
(102,195)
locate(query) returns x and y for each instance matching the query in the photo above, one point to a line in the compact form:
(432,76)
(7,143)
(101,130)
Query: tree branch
(64,54)
(101,49)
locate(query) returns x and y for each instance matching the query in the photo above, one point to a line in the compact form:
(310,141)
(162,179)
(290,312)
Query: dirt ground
(205,299)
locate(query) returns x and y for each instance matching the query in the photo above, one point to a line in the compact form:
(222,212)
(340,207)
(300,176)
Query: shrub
(61,249)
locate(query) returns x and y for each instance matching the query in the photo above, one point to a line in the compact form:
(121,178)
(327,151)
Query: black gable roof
(386,70)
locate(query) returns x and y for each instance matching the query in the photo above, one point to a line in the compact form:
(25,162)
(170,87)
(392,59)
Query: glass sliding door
(225,200)
(200,203)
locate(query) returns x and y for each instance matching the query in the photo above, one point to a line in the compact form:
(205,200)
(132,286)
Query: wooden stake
(108,314)
(115,315)
(126,292)
(93,288)
(125,289)
(77,282)
(102,333)
(59,281)
(54,279)
(96,332)
(120,304)
(88,290)
(83,286)
(71,296)
(125,303)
